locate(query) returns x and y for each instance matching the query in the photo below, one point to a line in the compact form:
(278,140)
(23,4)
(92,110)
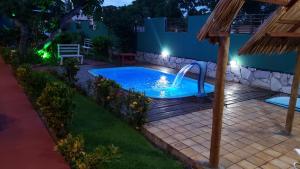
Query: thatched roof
(280,33)
(221,18)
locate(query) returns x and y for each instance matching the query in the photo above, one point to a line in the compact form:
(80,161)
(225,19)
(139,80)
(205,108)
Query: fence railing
(246,23)
(176,25)
(242,24)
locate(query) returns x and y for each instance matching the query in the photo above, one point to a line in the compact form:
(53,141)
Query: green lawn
(100,127)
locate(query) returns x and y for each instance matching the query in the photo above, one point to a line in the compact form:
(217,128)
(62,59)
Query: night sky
(117,2)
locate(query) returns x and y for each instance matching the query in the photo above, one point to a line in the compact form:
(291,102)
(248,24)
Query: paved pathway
(24,141)
(251,136)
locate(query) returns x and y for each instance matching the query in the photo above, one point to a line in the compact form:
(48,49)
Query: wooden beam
(218,104)
(295,27)
(284,34)
(218,34)
(293,97)
(276,2)
(286,21)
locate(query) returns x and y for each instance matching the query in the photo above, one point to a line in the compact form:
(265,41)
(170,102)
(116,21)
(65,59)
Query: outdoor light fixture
(233,63)
(165,53)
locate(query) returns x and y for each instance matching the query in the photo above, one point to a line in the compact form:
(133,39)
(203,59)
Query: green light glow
(47,45)
(43,53)
(13,14)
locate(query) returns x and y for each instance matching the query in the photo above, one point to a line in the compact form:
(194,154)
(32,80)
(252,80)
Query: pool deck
(234,93)
(251,135)
(166,108)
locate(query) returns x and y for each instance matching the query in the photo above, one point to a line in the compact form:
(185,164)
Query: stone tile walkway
(251,136)
(24,141)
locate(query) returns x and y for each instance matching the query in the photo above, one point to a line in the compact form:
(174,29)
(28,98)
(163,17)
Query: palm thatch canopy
(221,18)
(280,33)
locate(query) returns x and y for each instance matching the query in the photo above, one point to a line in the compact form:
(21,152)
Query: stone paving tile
(250,136)
(235,166)
(246,165)
(280,164)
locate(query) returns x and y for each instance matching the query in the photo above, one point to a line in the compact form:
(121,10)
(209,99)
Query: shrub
(23,73)
(136,106)
(33,81)
(36,83)
(11,56)
(108,93)
(101,47)
(70,69)
(55,103)
(72,148)
(14,58)
(6,55)
(102,155)
(30,57)
(132,106)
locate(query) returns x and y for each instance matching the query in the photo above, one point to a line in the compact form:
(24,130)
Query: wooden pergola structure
(280,33)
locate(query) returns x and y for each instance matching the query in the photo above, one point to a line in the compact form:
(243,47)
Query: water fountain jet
(201,78)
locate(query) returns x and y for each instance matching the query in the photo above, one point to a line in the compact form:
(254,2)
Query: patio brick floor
(251,136)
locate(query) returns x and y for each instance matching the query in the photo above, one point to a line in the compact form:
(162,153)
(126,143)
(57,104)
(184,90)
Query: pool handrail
(201,78)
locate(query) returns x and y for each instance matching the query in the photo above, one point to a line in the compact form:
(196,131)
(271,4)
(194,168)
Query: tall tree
(32,16)
(123,20)
(197,7)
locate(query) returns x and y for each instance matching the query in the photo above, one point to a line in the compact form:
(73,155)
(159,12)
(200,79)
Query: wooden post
(218,104)
(294,96)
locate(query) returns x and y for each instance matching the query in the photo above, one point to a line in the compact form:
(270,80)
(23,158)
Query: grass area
(100,127)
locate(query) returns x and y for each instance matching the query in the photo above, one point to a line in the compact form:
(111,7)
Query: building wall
(275,81)
(101,29)
(269,72)
(185,45)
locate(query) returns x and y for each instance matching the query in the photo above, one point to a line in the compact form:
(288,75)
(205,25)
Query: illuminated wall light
(233,63)
(165,53)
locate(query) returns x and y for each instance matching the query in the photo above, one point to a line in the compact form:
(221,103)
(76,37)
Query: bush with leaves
(36,83)
(55,103)
(31,57)
(108,93)
(33,81)
(72,148)
(23,73)
(102,155)
(5,53)
(136,106)
(11,56)
(101,47)
(70,69)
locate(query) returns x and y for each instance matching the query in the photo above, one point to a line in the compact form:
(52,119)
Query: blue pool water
(154,83)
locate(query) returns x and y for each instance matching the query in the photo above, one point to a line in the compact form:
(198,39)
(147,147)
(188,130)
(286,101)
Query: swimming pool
(154,83)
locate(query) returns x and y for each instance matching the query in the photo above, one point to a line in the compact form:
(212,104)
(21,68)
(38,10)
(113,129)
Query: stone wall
(274,81)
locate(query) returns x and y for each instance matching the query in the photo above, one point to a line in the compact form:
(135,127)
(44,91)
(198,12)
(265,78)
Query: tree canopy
(35,17)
